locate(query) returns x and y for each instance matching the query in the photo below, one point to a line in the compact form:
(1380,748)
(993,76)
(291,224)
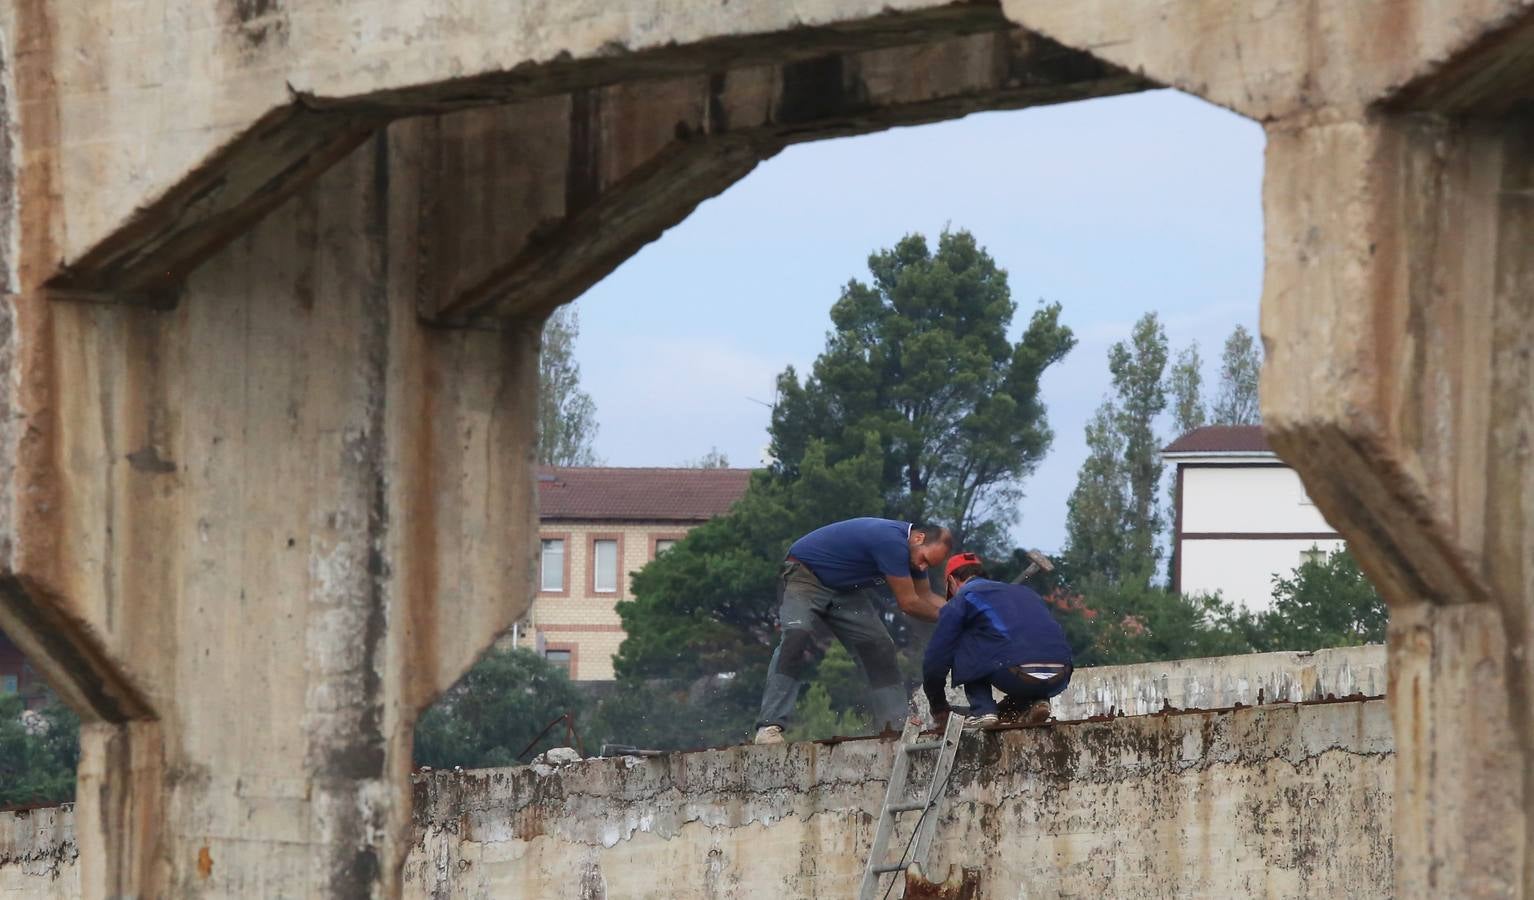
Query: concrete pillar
(1398,316)
(255,534)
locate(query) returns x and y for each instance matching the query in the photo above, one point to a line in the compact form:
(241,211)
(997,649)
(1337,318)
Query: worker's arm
(938,660)
(914,598)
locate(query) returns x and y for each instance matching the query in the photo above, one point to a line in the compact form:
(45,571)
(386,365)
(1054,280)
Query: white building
(1242,516)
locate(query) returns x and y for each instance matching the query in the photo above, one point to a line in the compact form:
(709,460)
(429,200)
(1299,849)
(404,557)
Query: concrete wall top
(1220,682)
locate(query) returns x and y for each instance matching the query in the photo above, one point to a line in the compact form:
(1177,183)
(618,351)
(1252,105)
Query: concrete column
(252,536)
(1399,317)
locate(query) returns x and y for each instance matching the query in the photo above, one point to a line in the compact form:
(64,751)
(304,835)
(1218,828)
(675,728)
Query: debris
(549,760)
(965,886)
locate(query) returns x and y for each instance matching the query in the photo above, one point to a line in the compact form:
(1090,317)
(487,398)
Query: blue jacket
(988,626)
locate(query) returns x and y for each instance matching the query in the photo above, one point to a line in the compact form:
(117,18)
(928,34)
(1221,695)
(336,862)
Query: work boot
(973,722)
(769,734)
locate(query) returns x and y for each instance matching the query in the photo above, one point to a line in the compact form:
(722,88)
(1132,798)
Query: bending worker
(827,583)
(993,635)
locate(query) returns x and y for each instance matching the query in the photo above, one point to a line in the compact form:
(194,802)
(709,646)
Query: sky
(1112,207)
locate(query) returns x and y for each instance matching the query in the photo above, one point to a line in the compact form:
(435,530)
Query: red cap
(958,560)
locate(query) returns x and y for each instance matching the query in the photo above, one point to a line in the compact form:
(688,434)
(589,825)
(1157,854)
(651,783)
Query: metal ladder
(896,801)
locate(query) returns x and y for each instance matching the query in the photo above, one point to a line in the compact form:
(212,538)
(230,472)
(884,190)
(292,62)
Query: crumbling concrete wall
(38,854)
(1219,682)
(1284,801)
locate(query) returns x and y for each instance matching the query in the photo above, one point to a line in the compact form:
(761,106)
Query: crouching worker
(994,635)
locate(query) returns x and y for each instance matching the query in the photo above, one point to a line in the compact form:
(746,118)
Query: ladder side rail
(894,794)
(927,828)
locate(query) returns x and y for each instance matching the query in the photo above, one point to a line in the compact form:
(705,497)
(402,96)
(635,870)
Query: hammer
(1037,562)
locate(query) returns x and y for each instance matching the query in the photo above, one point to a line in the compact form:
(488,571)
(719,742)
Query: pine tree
(919,356)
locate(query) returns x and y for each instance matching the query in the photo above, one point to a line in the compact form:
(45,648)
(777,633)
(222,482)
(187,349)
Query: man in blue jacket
(993,634)
(826,585)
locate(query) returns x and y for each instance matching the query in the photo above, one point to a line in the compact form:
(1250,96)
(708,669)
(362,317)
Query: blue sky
(1112,207)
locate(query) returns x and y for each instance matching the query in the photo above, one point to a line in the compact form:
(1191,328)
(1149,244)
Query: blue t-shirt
(855,552)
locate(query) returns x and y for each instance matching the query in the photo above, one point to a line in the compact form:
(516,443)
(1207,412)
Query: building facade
(1242,516)
(597,526)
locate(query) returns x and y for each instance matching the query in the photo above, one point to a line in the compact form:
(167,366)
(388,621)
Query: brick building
(596,527)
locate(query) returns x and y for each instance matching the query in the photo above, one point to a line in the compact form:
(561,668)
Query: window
(8,684)
(561,659)
(1313,555)
(604,567)
(551,565)
(664,544)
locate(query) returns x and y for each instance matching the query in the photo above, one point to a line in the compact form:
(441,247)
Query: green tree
(919,356)
(1137,367)
(495,710)
(1186,385)
(1095,511)
(37,762)
(1240,368)
(567,423)
(1114,517)
(1326,602)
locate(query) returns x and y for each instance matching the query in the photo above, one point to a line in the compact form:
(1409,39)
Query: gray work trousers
(808,613)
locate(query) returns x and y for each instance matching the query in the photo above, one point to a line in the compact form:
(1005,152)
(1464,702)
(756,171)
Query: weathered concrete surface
(1220,682)
(179,129)
(1281,802)
(252,537)
(38,854)
(1398,315)
(1213,682)
(1285,801)
(251,534)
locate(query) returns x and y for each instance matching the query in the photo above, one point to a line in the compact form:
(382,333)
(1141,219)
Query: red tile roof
(1221,439)
(638,495)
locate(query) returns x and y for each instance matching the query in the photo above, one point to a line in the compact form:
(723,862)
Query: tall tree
(919,356)
(1094,518)
(1240,367)
(567,423)
(1186,384)
(1138,366)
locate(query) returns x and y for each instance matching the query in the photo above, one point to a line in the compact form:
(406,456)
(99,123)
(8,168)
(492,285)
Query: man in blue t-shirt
(993,634)
(826,585)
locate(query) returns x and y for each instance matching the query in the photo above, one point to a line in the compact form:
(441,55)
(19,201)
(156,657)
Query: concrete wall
(1287,801)
(1220,682)
(1284,801)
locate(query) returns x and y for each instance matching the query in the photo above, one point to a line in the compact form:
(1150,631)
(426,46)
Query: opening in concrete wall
(39,736)
(1130,222)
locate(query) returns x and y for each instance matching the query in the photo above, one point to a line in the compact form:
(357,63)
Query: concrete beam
(534,203)
(186,126)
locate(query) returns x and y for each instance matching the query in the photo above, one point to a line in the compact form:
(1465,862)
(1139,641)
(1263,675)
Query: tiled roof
(1222,439)
(635,495)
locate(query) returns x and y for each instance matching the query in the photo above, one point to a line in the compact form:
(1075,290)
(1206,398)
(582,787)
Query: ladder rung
(892,867)
(923,745)
(907,807)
